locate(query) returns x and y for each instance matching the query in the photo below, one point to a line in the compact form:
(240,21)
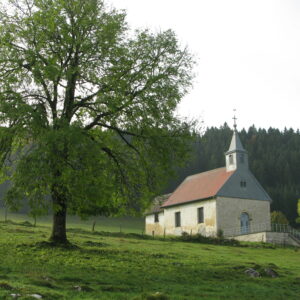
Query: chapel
(227,201)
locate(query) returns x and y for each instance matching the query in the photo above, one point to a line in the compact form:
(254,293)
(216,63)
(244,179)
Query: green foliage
(277,217)
(88,107)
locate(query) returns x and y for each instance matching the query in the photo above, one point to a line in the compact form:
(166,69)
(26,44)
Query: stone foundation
(279,238)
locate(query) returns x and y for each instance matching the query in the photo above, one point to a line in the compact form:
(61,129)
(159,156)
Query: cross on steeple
(234,119)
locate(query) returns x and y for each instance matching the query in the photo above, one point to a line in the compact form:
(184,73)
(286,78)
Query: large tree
(87,108)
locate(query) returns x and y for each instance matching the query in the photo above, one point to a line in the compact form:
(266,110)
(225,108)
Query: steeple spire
(236,156)
(236,144)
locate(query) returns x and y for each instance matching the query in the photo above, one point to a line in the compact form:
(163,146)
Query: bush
(198,238)
(184,234)
(220,234)
(277,217)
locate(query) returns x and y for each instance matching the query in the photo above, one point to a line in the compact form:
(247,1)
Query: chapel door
(245,223)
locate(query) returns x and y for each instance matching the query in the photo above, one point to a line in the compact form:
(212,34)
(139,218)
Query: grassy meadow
(123,224)
(123,266)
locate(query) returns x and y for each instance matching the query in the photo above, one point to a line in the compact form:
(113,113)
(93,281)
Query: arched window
(231,159)
(245,223)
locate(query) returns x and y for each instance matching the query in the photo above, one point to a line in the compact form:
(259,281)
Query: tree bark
(59,235)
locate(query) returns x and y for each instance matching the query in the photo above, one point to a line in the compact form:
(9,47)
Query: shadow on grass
(95,244)
(25,223)
(50,244)
(43,283)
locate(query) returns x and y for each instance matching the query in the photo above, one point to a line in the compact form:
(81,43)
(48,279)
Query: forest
(274,159)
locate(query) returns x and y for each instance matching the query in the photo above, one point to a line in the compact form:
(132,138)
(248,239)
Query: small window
(242,159)
(200,215)
(243,183)
(156,217)
(177,219)
(231,159)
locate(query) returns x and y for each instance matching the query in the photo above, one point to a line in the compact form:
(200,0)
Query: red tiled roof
(199,186)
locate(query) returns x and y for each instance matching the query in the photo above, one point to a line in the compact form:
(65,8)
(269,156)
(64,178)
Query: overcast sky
(248,56)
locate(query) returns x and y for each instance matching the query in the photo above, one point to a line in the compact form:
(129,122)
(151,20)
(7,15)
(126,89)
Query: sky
(247,52)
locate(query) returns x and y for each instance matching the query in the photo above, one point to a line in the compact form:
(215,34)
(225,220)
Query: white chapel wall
(229,211)
(152,227)
(189,218)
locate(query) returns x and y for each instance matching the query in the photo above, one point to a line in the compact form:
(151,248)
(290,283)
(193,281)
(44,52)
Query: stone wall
(279,238)
(229,211)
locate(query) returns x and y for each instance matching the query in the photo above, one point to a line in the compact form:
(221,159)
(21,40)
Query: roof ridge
(209,171)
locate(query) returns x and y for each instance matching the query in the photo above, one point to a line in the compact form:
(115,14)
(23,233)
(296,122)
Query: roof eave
(247,198)
(188,202)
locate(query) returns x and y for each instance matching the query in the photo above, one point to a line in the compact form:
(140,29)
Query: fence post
(5,214)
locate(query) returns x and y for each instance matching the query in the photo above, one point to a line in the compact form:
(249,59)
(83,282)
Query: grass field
(124,224)
(117,266)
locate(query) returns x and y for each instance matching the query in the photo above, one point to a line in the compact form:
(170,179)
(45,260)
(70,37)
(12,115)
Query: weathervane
(234,119)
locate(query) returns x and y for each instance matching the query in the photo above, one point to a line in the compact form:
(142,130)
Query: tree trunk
(59,234)
(59,201)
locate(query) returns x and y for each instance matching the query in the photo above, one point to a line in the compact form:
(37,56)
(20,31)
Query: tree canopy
(87,108)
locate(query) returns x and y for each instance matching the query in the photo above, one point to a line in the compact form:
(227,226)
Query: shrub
(220,234)
(198,238)
(277,217)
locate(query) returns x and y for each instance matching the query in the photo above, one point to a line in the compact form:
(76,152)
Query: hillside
(119,266)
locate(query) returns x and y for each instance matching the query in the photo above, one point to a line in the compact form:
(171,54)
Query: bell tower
(236,156)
